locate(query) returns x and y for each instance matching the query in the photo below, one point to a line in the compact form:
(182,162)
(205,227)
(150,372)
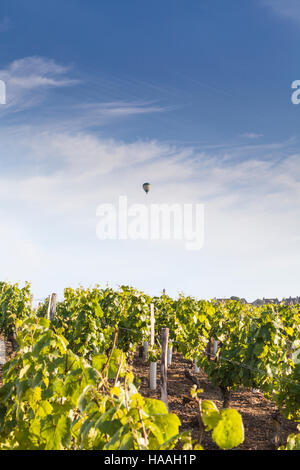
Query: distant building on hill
(288,301)
(264,301)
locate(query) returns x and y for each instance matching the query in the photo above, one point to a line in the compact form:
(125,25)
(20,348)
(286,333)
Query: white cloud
(251,215)
(67,172)
(58,173)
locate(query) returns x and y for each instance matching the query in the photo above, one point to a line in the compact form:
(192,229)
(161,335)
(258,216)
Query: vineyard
(105,369)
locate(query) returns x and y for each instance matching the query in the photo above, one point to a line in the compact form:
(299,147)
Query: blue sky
(194,97)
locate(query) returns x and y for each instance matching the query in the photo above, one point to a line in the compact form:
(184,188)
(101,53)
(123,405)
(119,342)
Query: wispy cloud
(26,79)
(122,108)
(252,135)
(5,24)
(85,115)
(286,8)
(29,80)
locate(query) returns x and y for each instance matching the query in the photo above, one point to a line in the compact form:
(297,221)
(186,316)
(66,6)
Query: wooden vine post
(52,307)
(153,365)
(216,344)
(31,302)
(2,352)
(164,366)
(170,353)
(146,347)
(152,325)
(196,369)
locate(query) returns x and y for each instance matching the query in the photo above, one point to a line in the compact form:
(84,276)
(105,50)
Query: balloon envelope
(146,187)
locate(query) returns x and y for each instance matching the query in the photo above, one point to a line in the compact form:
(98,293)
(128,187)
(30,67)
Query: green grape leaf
(229,431)
(210,414)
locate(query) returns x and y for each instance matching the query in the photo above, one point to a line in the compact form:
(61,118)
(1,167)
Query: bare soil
(255,409)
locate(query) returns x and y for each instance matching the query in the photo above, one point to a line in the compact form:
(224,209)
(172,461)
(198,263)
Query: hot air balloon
(146,187)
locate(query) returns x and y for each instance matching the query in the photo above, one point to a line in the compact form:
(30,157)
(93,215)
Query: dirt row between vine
(255,409)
